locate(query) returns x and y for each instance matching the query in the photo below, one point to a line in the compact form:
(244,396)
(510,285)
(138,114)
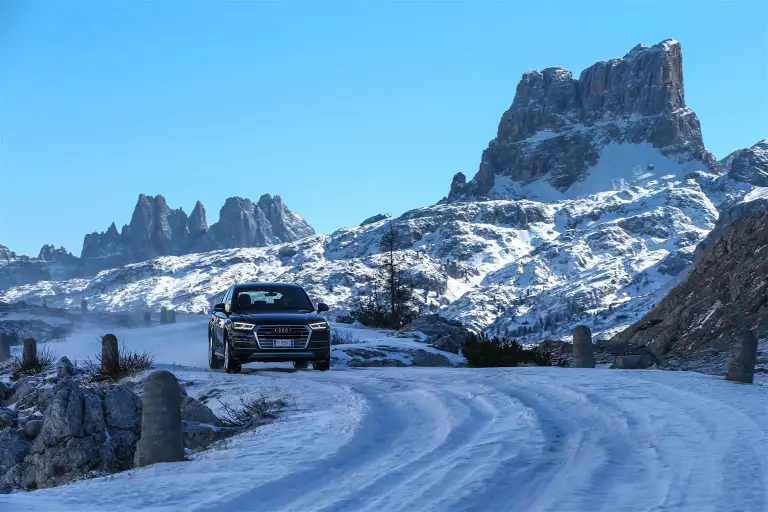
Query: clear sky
(344,109)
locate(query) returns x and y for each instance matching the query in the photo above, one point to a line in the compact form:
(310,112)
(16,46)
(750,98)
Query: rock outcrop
(50,264)
(157,230)
(749,165)
(243,223)
(725,292)
(557,125)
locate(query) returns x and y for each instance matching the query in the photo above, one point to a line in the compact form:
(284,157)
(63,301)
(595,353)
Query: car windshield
(271,298)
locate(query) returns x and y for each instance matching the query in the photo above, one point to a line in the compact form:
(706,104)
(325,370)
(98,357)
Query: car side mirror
(219,308)
(321,306)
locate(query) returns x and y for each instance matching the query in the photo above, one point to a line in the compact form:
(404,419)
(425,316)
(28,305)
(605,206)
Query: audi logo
(282,330)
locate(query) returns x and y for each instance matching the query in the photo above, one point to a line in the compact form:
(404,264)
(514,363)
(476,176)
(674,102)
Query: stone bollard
(162,437)
(163,315)
(84,306)
(29,353)
(110,355)
(5,346)
(583,350)
(172,316)
(741,367)
(147,318)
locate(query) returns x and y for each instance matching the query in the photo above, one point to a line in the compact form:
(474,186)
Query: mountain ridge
(157,230)
(530,260)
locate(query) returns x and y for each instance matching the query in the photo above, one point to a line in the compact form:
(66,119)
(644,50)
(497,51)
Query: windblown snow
(449,439)
(530,268)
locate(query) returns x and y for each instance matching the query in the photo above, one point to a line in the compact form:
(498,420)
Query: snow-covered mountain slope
(412,439)
(524,267)
(588,208)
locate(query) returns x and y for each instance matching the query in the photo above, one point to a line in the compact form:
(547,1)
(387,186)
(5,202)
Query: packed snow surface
(413,439)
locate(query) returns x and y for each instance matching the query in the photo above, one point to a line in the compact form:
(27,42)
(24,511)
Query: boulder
(198,436)
(5,392)
(633,362)
(65,368)
(32,429)
(196,411)
(13,449)
(71,443)
(8,418)
(82,431)
(423,357)
(441,333)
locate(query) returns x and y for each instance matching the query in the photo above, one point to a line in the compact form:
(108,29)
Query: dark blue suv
(268,322)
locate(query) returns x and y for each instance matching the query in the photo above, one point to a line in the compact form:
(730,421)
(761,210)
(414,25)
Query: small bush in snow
(130,363)
(483,352)
(251,411)
(18,368)
(343,338)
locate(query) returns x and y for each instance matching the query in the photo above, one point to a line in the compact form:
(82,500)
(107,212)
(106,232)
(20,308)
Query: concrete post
(741,367)
(583,349)
(162,437)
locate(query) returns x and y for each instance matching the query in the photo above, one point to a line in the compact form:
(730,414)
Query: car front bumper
(245,349)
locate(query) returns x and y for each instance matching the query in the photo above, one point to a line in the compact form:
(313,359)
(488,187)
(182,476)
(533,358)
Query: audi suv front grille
(267,334)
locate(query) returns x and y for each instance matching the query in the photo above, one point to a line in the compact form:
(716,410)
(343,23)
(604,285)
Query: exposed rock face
(749,165)
(557,125)
(73,441)
(157,230)
(51,264)
(437,331)
(376,218)
(243,223)
(726,291)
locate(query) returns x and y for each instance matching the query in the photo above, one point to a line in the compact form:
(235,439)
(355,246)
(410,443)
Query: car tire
(300,365)
(323,366)
(231,365)
(214,362)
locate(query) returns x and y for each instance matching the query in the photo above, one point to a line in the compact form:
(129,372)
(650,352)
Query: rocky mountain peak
(749,165)
(558,127)
(156,230)
(197,222)
(51,253)
(245,224)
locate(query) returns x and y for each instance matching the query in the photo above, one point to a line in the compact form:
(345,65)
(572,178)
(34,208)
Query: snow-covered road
(411,439)
(446,439)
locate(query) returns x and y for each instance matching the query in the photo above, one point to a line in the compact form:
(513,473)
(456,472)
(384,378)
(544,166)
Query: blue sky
(344,109)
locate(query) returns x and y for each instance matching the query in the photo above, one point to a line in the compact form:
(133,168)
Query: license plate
(284,343)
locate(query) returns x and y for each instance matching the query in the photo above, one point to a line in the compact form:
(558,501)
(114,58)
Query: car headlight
(318,326)
(242,326)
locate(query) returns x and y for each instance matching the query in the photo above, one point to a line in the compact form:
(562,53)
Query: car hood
(277,318)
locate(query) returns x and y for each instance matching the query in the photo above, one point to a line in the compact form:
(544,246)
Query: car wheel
(323,366)
(214,362)
(300,365)
(231,365)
